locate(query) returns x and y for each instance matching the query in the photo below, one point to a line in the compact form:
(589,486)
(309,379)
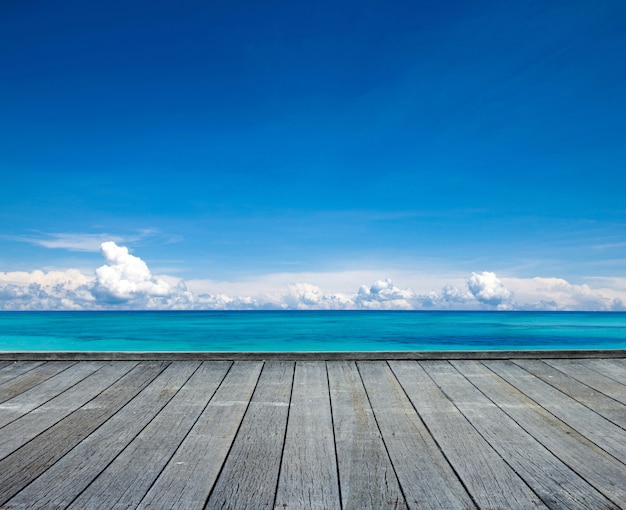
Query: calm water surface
(309,331)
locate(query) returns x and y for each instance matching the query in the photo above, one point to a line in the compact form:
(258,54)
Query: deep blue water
(309,331)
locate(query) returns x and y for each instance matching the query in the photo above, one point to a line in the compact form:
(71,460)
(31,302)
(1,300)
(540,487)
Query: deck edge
(310,355)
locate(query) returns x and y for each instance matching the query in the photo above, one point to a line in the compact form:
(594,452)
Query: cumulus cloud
(384,295)
(126,278)
(305,296)
(558,294)
(125,281)
(487,288)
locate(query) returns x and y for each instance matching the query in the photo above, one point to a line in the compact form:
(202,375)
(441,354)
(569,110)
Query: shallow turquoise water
(309,331)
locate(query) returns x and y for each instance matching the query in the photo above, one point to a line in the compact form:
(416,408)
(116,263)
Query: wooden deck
(342,434)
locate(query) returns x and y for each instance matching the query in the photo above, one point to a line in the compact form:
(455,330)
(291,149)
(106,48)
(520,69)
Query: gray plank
(186,481)
(365,471)
(25,428)
(66,479)
(598,429)
(16,369)
(22,404)
(27,463)
(488,478)
(249,476)
(426,478)
(554,482)
(125,482)
(596,401)
(308,474)
(32,378)
(596,380)
(597,467)
(613,368)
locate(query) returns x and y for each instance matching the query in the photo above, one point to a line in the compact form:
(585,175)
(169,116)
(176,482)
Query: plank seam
(443,453)
(243,417)
(569,466)
(282,451)
(487,440)
(130,441)
(592,389)
(567,395)
(382,437)
(332,421)
(37,384)
(165,464)
(52,397)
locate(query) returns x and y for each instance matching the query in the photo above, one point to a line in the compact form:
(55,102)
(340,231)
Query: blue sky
(242,147)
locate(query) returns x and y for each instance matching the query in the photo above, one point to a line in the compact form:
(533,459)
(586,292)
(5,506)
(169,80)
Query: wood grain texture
(488,478)
(46,390)
(553,481)
(583,372)
(598,429)
(591,398)
(308,475)
(32,378)
(598,468)
(124,482)
(186,481)
(66,479)
(250,474)
(16,368)
(426,477)
(29,426)
(193,434)
(31,460)
(367,478)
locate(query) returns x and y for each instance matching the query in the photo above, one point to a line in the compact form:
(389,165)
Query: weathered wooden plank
(596,380)
(612,368)
(31,378)
(16,369)
(30,461)
(597,467)
(25,428)
(598,429)
(426,478)
(25,402)
(186,481)
(587,396)
(365,471)
(555,483)
(66,479)
(124,483)
(249,476)
(308,474)
(489,479)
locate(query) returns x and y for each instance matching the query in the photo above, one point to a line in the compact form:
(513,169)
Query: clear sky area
(346,154)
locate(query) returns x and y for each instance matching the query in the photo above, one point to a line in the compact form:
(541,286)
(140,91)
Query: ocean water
(309,331)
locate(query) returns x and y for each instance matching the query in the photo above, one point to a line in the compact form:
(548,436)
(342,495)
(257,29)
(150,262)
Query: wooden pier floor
(443,434)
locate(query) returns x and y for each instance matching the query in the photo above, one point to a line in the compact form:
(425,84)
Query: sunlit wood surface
(341,434)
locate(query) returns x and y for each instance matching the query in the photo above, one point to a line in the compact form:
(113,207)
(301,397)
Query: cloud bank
(125,282)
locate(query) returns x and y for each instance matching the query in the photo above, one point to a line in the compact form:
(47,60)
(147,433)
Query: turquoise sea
(309,331)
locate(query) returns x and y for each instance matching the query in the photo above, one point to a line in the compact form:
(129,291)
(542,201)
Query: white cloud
(127,279)
(71,241)
(305,296)
(384,295)
(126,282)
(558,294)
(55,290)
(487,288)
(82,242)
